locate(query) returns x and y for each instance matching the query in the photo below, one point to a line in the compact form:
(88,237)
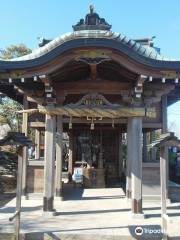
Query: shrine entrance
(98,151)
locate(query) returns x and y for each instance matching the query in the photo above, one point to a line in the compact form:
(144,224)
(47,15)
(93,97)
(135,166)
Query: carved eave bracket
(93,58)
(153,92)
(50,94)
(138,90)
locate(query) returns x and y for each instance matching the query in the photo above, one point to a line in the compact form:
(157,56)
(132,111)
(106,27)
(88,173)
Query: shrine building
(108,94)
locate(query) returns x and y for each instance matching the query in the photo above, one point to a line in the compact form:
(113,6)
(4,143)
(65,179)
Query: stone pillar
(136,167)
(164,130)
(37,144)
(70,161)
(145,151)
(129,160)
(120,156)
(49,165)
(59,157)
(25,149)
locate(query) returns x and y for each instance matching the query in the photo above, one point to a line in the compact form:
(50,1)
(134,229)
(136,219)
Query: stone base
(48,204)
(138,216)
(137,206)
(59,198)
(128,194)
(24,197)
(49,213)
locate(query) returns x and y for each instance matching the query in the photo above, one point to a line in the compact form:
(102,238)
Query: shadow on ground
(143,232)
(6,197)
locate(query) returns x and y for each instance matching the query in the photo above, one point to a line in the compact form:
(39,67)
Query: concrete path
(91,213)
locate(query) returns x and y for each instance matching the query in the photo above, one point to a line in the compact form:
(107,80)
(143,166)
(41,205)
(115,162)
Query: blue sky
(23,21)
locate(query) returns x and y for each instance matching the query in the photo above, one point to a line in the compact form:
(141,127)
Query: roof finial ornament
(92,21)
(91,8)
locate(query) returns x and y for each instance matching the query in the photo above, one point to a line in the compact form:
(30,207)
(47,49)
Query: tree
(9,118)
(9,107)
(14,51)
(9,113)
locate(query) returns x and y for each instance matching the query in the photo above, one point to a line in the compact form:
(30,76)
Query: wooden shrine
(95,86)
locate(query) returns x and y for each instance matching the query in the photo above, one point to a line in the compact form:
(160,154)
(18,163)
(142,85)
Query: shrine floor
(90,214)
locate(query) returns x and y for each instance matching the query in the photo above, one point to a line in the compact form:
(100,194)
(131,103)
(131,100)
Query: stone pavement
(90,213)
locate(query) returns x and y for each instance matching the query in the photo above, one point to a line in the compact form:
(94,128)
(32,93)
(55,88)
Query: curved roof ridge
(140,49)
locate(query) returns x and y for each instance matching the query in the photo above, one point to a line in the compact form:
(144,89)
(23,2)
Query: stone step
(174,191)
(59,236)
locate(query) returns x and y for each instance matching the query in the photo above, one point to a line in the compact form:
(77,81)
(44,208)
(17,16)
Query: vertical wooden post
(129,160)
(145,152)
(120,166)
(18,193)
(164,130)
(25,149)
(59,157)
(100,160)
(153,150)
(136,167)
(37,144)
(70,162)
(163,177)
(49,171)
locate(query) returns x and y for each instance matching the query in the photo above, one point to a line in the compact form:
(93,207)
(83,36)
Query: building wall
(35,176)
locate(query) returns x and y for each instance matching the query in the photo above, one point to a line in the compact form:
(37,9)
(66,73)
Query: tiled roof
(146,51)
(91,38)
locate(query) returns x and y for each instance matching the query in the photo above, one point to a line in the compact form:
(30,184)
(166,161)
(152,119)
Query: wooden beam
(36,124)
(82,87)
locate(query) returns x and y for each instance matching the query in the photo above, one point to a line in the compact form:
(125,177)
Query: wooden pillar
(100,160)
(164,114)
(153,150)
(25,149)
(18,193)
(164,130)
(37,144)
(59,156)
(163,177)
(70,161)
(145,152)
(129,159)
(120,154)
(49,168)
(136,166)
